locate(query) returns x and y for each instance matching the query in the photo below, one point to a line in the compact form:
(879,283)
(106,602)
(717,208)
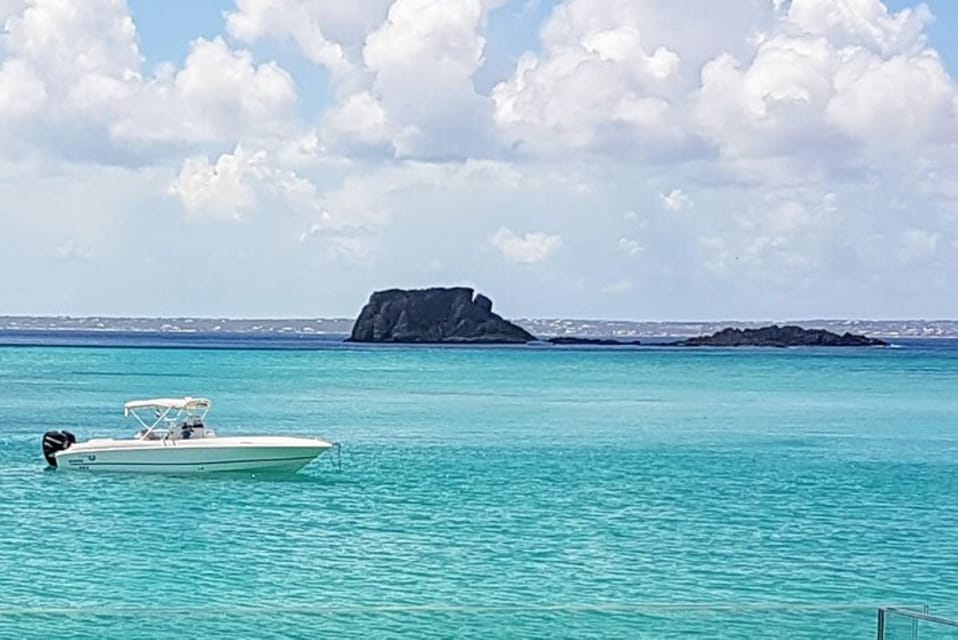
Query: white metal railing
(904,623)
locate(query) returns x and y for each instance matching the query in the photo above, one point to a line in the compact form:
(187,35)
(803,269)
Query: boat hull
(209,455)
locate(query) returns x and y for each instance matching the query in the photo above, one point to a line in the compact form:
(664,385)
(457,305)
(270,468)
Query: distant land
(544,327)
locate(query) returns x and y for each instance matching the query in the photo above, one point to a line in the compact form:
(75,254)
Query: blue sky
(754,159)
(942,31)
(166,29)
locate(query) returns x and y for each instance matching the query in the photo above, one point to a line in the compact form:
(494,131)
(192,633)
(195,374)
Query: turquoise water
(492,492)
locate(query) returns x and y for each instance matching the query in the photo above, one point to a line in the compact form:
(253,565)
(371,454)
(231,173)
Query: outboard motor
(54,441)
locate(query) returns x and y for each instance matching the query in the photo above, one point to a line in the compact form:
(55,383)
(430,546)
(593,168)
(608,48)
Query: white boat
(175,439)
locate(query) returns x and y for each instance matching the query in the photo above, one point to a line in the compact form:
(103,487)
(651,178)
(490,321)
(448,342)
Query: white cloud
(833,75)
(830,203)
(676,200)
(773,105)
(786,120)
(789,218)
(423,58)
(69,249)
(21,92)
(70,224)
(340,245)
(783,238)
(596,86)
(613,77)
(401,70)
(630,246)
(219,187)
(237,182)
(358,122)
(368,198)
(11,8)
(902,102)
(75,41)
(218,94)
(69,63)
(527,248)
(812,76)
(329,34)
(73,75)
(865,23)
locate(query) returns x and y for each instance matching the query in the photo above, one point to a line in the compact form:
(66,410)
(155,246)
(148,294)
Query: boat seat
(192,428)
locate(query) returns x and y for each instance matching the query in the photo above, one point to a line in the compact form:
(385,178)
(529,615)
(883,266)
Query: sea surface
(524,492)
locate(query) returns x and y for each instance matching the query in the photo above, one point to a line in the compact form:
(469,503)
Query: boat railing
(665,620)
(897,623)
(167,420)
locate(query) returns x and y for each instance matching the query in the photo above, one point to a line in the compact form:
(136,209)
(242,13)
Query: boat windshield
(170,418)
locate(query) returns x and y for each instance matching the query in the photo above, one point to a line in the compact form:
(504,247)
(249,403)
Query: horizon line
(513,318)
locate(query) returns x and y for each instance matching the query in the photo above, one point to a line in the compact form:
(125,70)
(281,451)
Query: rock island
(434,315)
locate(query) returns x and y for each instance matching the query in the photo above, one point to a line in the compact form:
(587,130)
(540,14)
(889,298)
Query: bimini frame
(168,412)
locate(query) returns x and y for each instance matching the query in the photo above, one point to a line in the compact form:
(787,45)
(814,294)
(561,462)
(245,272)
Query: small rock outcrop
(435,315)
(595,342)
(776,336)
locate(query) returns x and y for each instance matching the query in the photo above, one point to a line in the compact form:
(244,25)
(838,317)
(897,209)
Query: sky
(614,159)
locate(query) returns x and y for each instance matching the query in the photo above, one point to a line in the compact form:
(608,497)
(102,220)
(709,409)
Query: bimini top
(176,404)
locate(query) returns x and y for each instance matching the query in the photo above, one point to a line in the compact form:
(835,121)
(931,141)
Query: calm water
(485,492)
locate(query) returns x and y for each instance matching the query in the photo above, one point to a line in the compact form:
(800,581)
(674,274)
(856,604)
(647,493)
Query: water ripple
(552,510)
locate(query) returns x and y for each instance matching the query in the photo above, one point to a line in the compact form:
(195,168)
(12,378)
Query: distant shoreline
(542,327)
(188,340)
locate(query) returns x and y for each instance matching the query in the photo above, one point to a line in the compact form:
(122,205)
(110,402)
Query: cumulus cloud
(329,34)
(595,86)
(675,200)
(423,58)
(865,23)
(617,78)
(21,92)
(11,8)
(630,246)
(614,77)
(401,70)
(401,119)
(236,182)
(830,76)
(217,94)
(527,248)
(359,123)
(812,76)
(75,60)
(69,41)
(220,187)
(901,102)
(73,76)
